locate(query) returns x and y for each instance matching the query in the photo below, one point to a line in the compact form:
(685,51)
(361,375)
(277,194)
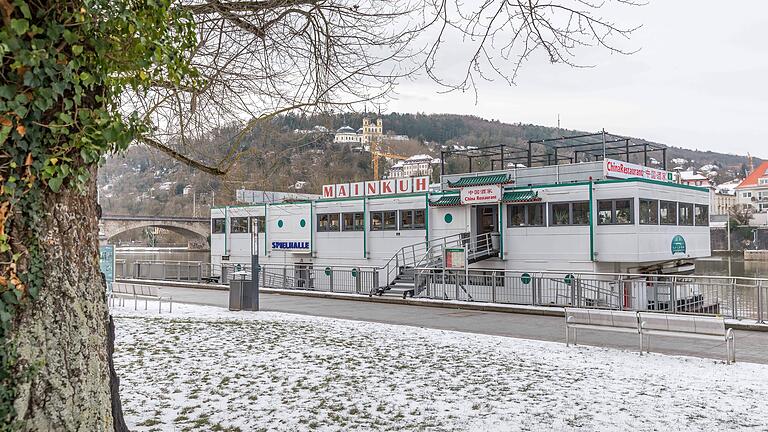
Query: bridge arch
(195,230)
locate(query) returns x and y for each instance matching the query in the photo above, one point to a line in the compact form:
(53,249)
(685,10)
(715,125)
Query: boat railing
(731,297)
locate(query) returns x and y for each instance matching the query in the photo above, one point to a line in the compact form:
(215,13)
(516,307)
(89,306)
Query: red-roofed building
(754,189)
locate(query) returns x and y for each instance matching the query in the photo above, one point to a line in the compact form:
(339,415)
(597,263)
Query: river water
(133,254)
(717,265)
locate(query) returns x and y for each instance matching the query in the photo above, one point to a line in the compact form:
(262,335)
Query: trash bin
(236,295)
(243,295)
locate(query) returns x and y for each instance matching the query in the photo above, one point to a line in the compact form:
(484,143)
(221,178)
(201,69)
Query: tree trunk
(63,334)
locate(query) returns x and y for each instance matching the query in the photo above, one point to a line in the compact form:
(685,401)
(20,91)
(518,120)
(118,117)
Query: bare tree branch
(261,58)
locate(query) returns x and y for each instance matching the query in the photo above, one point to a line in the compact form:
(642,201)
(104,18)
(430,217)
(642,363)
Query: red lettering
(420,184)
(372,189)
(329,191)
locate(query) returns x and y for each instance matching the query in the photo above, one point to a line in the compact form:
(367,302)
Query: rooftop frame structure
(567,149)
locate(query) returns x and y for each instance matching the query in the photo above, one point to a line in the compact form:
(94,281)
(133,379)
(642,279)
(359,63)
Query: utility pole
(194,210)
(255,264)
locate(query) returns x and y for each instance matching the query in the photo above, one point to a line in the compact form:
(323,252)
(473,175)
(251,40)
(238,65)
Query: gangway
(399,271)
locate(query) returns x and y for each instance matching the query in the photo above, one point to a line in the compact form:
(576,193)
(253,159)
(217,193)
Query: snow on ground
(208,369)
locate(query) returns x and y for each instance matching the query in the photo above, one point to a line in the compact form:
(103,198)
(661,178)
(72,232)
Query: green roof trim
(494,179)
(447,201)
(520,196)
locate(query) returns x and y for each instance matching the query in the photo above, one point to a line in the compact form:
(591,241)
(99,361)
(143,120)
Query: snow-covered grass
(208,369)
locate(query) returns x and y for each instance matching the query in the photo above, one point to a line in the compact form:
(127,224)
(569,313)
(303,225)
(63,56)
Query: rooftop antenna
(558,120)
(603,143)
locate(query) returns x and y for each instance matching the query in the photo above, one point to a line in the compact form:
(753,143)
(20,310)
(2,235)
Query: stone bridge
(195,229)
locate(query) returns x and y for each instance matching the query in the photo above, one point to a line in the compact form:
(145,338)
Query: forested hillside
(278,155)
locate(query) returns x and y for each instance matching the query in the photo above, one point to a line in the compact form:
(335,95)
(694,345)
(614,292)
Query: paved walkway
(750,346)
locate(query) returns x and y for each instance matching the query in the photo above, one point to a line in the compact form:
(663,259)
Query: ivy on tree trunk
(66,64)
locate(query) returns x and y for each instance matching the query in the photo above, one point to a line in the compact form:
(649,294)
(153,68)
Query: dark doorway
(487,219)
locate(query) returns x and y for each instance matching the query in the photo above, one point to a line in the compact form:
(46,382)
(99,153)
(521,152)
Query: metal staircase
(399,272)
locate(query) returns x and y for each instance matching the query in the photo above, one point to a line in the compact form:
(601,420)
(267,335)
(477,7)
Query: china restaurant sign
(617,169)
(481,194)
(377,187)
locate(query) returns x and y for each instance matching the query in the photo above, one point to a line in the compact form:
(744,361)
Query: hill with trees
(298,150)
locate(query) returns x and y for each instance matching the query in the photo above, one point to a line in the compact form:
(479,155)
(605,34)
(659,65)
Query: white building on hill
(414,166)
(370,131)
(693,178)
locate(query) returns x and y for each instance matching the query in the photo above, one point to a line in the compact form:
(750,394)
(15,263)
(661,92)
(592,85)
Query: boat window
(238,225)
(702,215)
(359,221)
(561,214)
(605,212)
(624,211)
(334,222)
(615,212)
(390,220)
(649,212)
(217,226)
(260,222)
(516,215)
(535,215)
(412,219)
(322,222)
(419,219)
(668,212)
(376,221)
(352,222)
(384,220)
(686,214)
(328,222)
(580,213)
(525,215)
(406,219)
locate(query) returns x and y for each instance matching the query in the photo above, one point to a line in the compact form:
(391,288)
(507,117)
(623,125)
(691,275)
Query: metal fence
(340,279)
(732,297)
(187,271)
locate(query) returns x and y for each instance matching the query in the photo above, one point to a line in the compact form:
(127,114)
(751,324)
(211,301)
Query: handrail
(481,246)
(406,256)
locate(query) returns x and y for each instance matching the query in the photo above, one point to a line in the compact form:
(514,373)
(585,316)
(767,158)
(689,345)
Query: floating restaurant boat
(568,203)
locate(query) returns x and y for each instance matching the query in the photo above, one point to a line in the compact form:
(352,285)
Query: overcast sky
(700,81)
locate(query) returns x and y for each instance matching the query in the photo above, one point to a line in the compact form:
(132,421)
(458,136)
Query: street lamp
(255,262)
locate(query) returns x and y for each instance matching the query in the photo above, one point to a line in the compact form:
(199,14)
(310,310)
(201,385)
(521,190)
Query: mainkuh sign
(376,187)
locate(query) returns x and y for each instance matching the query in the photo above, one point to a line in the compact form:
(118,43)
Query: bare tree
(741,214)
(260,58)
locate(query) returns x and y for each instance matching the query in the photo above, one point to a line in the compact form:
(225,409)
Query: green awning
(494,179)
(445,201)
(520,196)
